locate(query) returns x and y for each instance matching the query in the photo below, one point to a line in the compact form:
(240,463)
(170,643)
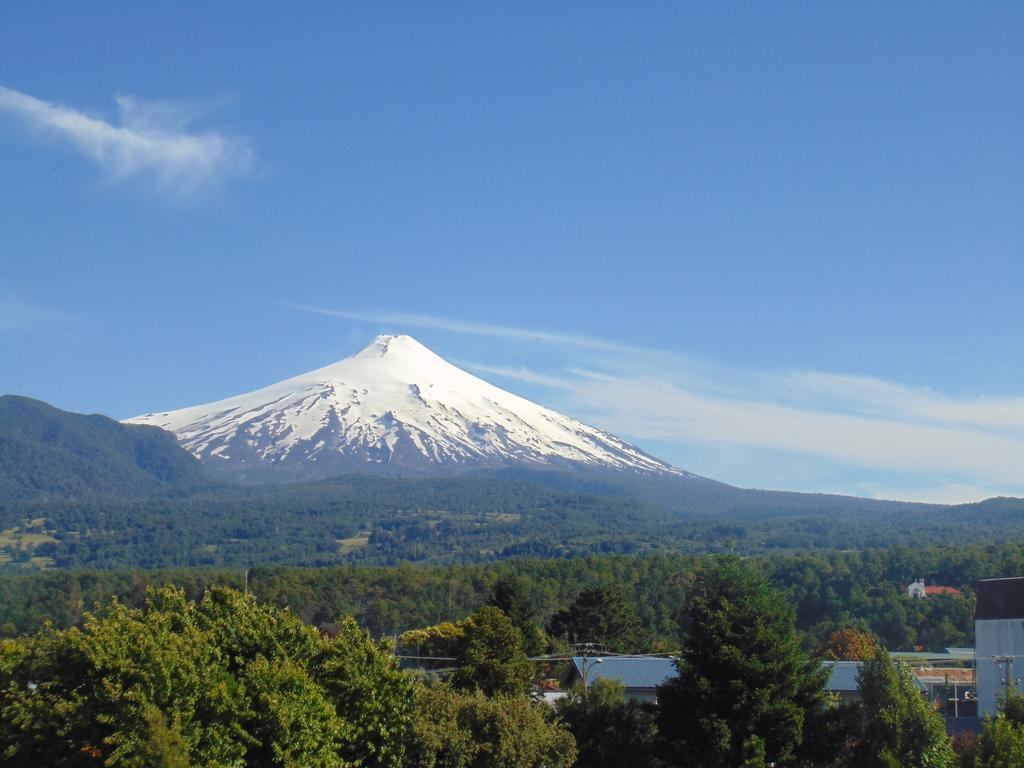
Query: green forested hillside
(47,453)
(372,520)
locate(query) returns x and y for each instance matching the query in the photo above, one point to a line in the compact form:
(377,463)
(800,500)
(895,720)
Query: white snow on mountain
(395,406)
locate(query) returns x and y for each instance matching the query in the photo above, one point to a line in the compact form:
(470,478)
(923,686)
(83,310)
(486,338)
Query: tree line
(829,590)
(226,680)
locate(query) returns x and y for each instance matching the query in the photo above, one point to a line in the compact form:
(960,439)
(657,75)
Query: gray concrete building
(999,639)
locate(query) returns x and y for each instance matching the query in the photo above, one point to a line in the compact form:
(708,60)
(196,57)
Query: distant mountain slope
(692,495)
(383,520)
(49,453)
(393,408)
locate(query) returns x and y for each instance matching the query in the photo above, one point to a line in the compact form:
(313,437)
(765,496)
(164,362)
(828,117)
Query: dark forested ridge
(47,453)
(830,591)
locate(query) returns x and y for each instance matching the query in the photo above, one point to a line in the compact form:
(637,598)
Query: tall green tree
(604,616)
(745,689)
(491,657)
(898,728)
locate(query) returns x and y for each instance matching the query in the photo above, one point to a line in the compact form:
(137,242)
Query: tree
(1001,741)
(604,616)
(222,682)
(610,732)
(898,728)
(163,745)
(745,688)
(466,729)
(491,656)
(849,645)
(511,596)
(999,745)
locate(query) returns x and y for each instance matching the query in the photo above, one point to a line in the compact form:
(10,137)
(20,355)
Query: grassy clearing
(14,536)
(352,543)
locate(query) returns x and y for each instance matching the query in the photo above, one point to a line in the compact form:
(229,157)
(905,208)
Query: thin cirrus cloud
(151,140)
(955,449)
(659,409)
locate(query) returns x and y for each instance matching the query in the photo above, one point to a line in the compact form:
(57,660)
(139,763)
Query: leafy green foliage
(491,657)
(460,729)
(1001,741)
(999,745)
(745,688)
(220,682)
(899,729)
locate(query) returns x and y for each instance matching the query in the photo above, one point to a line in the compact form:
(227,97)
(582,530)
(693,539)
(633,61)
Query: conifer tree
(745,688)
(512,597)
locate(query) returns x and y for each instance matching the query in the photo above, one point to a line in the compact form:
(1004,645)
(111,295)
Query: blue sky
(779,245)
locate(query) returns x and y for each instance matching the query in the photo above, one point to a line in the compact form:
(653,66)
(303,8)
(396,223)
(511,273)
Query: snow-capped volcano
(393,407)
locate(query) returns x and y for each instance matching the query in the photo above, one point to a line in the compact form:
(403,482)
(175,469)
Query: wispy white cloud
(520,373)
(152,139)
(21,315)
(657,409)
(479,329)
(871,395)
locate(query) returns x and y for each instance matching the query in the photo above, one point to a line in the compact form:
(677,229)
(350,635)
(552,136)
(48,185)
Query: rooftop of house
(938,590)
(959,675)
(844,677)
(631,671)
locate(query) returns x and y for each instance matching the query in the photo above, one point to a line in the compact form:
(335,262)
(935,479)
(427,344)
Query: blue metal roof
(632,672)
(843,677)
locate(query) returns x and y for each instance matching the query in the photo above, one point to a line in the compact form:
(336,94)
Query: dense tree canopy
(831,591)
(220,682)
(467,729)
(490,656)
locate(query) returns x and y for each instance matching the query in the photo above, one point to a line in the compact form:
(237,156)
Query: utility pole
(588,651)
(1006,662)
